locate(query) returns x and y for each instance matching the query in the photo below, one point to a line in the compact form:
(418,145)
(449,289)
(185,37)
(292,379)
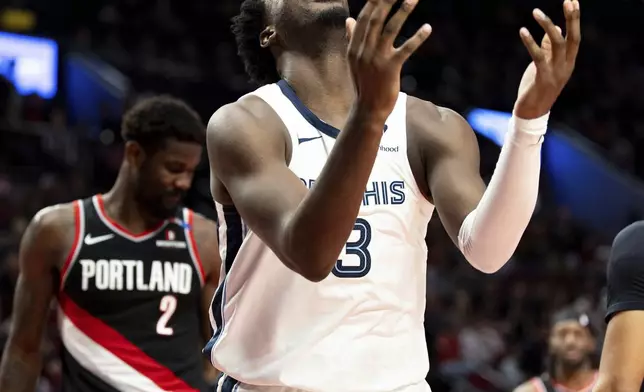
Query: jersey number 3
(359,249)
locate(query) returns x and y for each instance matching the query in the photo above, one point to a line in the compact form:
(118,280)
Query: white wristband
(527,132)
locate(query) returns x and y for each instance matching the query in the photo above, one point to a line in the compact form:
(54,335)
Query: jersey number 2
(167,307)
(359,249)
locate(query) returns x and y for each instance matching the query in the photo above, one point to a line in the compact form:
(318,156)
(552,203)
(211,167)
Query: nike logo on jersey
(307,139)
(89,240)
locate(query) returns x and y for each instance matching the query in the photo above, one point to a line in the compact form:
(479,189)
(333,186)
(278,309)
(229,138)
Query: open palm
(552,62)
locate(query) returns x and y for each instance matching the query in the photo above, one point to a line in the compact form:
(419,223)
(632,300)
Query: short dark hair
(152,121)
(246,27)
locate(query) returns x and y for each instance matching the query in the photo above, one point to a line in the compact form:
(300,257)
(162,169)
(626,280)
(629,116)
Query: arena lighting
(30,63)
(489,123)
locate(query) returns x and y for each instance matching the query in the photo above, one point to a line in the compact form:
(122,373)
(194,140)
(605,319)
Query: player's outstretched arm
(247,148)
(40,250)
(487,225)
(622,361)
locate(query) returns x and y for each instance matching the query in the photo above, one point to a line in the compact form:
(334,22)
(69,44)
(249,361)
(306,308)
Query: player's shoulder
(436,125)
(628,242)
(56,217)
(243,128)
(203,224)
(246,115)
(627,252)
(52,230)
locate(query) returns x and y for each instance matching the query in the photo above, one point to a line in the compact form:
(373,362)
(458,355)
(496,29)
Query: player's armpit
(248,152)
(622,362)
(40,251)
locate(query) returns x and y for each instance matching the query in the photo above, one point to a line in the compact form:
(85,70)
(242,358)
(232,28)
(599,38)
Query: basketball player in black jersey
(622,361)
(570,368)
(129,269)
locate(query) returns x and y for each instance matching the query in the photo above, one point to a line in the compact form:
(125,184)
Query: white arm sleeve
(490,234)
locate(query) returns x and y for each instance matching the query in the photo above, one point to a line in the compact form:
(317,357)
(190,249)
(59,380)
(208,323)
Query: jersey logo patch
(89,240)
(171,244)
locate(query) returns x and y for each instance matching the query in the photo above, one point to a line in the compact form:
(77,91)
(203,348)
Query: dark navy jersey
(130,306)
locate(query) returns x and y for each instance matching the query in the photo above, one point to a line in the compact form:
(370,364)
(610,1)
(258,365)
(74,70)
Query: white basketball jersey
(361,328)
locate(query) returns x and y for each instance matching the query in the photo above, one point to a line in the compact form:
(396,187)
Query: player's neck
(323,83)
(121,206)
(576,379)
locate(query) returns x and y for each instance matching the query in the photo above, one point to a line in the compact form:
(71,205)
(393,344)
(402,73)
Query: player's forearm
(19,370)
(324,220)
(490,234)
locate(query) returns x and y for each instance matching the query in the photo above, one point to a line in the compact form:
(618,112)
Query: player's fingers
(533,48)
(376,21)
(412,44)
(392,28)
(572,11)
(556,39)
(546,45)
(359,29)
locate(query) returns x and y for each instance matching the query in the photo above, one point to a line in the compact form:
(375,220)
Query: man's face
(165,176)
(571,343)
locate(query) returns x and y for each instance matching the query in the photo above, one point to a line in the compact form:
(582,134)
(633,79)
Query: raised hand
(552,62)
(375,62)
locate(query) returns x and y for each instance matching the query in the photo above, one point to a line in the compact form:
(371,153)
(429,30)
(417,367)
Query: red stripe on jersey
(118,345)
(77,241)
(192,243)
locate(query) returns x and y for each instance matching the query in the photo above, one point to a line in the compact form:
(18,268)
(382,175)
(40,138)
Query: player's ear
(134,153)
(267,37)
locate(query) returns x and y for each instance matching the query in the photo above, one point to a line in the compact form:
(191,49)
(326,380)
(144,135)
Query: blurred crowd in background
(485,333)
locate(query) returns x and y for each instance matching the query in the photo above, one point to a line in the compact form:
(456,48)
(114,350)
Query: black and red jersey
(130,306)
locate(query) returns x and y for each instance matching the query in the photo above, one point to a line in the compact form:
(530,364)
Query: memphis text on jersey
(377,192)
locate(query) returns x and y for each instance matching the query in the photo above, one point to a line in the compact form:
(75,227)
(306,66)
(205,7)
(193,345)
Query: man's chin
(573,361)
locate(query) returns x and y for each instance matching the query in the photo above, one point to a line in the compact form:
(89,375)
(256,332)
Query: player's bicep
(453,176)
(249,159)
(622,361)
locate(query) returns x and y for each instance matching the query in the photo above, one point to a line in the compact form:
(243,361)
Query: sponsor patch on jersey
(171,244)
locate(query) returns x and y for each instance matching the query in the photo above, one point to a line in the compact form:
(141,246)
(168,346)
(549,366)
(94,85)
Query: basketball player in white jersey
(325,179)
